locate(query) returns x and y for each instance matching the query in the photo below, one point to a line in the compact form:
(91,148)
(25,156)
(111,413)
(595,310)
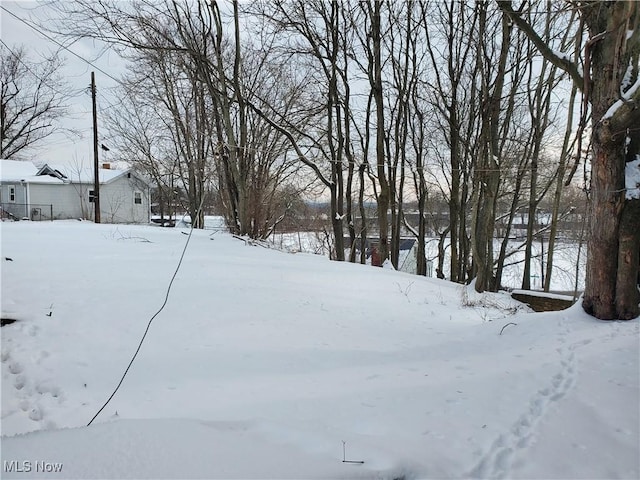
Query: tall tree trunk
(489,174)
(606,204)
(375,79)
(605,276)
(372,9)
(627,294)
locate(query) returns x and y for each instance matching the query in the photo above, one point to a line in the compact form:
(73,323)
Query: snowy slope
(263,363)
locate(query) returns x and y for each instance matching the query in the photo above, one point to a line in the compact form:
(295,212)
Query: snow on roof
(30,172)
(82,173)
(15,171)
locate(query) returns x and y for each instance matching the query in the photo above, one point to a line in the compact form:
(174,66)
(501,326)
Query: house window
(137,198)
(12,194)
(92,196)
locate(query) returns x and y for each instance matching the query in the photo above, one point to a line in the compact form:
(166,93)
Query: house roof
(81,174)
(18,171)
(15,171)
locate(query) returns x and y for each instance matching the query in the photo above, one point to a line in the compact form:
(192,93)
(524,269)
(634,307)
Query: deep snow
(263,363)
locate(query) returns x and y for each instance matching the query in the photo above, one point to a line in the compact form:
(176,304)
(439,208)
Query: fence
(36,212)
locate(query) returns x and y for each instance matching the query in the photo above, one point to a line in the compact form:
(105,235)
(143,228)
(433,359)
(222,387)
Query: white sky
(63,147)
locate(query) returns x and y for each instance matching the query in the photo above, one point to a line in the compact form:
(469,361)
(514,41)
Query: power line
(58,43)
(71,93)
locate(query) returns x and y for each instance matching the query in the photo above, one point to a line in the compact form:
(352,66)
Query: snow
(263,363)
(562,56)
(625,97)
(14,170)
(535,293)
(85,174)
(17,171)
(632,179)
(628,76)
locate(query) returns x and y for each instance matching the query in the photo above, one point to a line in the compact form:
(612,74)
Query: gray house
(49,192)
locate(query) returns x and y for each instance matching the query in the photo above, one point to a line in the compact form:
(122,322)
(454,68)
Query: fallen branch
(510,323)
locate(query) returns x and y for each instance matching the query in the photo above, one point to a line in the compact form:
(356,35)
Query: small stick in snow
(510,323)
(344,455)
(238,237)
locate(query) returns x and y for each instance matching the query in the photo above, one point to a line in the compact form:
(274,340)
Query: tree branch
(293,142)
(561,62)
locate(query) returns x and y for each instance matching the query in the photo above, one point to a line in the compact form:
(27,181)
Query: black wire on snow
(164,304)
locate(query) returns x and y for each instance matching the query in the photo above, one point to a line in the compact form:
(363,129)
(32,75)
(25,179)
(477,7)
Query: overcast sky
(63,147)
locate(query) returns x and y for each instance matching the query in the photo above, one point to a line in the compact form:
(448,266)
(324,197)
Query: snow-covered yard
(273,365)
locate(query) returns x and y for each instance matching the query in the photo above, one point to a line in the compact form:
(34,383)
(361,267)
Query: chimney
(106,166)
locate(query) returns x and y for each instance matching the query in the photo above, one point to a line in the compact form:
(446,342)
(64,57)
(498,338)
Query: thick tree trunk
(627,294)
(606,204)
(606,266)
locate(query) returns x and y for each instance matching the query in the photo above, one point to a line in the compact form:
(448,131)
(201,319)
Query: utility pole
(96,176)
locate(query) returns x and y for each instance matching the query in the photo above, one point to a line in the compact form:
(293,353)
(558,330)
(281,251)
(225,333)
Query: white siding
(117,201)
(17,206)
(66,200)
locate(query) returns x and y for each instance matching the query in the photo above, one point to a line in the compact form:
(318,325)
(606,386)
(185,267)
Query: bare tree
(311,34)
(372,18)
(487,171)
(451,91)
(141,136)
(192,68)
(33,97)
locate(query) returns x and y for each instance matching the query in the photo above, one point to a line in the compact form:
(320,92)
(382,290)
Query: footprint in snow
(19,382)
(15,368)
(500,459)
(36,414)
(45,387)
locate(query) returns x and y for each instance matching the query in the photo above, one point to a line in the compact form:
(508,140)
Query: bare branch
(561,62)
